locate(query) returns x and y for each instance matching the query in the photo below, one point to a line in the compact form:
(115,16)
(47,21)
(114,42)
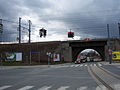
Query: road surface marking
(76,65)
(26,88)
(91,65)
(81,65)
(72,65)
(63,88)
(45,88)
(5,87)
(94,64)
(101,87)
(85,64)
(82,88)
(99,64)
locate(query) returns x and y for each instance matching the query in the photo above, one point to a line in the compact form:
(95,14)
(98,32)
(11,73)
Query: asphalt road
(58,77)
(113,68)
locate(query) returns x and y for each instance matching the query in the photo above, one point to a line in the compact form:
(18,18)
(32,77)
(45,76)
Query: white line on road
(72,65)
(45,88)
(101,87)
(99,64)
(76,65)
(63,88)
(81,65)
(82,88)
(85,64)
(91,65)
(26,88)
(94,64)
(5,87)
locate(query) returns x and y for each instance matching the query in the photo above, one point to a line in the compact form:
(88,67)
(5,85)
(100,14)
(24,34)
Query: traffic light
(1,28)
(42,32)
(45,33)
(119,26)
(70,34)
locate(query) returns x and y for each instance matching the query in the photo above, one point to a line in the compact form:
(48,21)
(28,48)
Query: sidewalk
(20,67)
(107,79)
(29,66)
(107,63)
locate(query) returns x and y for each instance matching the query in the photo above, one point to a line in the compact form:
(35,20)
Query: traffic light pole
(119,29)
(29,31)
(19,30)
(109,45)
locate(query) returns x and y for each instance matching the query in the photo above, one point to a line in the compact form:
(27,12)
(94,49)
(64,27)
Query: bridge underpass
(77,47)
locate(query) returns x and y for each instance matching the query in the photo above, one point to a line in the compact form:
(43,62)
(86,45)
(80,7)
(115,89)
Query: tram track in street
(107,81)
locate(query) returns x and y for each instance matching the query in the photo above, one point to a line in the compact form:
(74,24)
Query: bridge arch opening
(89,55)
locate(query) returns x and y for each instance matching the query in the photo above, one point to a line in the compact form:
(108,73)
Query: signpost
(49,55)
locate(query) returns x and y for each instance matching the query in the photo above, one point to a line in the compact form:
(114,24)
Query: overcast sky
(86,18)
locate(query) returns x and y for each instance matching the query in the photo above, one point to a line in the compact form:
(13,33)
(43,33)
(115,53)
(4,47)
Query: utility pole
(29,31)
(1,26)
(109,45)
(119,29)
(19,30)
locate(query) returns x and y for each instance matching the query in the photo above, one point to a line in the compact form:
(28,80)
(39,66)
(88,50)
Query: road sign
(116,55)
(35,52)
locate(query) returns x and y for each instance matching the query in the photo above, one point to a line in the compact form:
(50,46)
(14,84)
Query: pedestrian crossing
(50,87)
(26,88)
(5,87)
(10,87)
(82,65)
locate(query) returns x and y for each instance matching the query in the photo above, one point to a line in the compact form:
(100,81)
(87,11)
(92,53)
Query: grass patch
(13,64)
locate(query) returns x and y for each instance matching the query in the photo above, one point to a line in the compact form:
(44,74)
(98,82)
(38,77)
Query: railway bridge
(68,50)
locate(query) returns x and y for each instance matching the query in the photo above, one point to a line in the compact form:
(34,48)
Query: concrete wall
(66,51)
(25,48)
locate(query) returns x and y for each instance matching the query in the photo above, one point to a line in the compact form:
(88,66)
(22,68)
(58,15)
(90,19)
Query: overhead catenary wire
(71,19)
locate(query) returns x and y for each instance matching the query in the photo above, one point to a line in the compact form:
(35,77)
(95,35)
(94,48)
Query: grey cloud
(86,18)
(9,8)
(37,6)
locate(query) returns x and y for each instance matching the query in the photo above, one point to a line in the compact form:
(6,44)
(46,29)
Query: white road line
(101,87)
(63,88)
(5,87)
(72,65)
(81,65)
(91,65)
(26,88)
(45,88)
(85,64)
(94,64)
(82,88)
(99,64)
(76,65)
